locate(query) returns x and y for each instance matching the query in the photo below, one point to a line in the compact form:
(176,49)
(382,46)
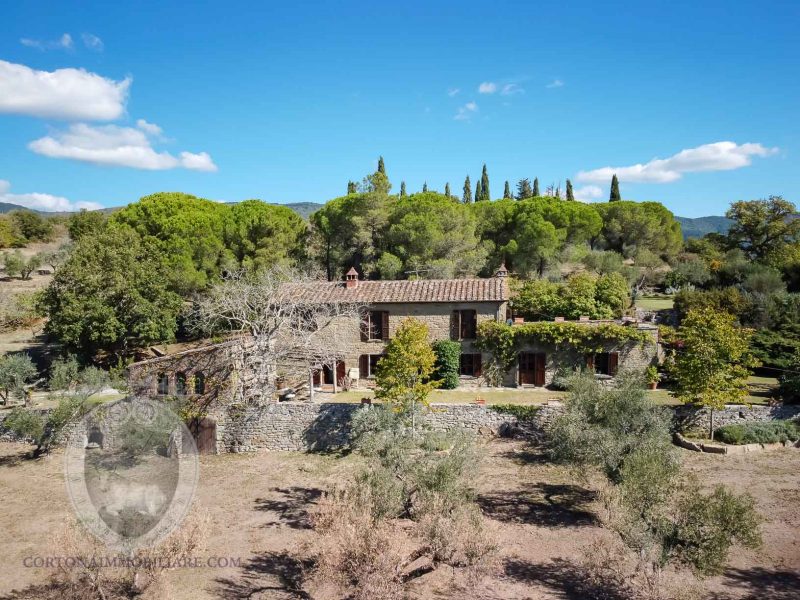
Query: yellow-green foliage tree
(712,361)
(404,377)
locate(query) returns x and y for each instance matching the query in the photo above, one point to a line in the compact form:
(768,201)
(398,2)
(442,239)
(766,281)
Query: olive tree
(623,435)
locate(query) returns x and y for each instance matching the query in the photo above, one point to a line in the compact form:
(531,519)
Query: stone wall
(307,426)
(688,418)
(301,426)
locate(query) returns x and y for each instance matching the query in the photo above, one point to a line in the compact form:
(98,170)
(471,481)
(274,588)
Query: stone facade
(438,316)
(632,355)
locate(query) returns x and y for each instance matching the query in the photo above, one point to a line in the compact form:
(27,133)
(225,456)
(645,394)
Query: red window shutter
(455,325)
(385,325)
(590,362)
(613,363)
(478,365)
(363,366)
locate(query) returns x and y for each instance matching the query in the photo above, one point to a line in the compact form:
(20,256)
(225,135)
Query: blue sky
(286,103)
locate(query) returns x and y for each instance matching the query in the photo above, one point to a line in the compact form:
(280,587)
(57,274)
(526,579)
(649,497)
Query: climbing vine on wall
(504,341)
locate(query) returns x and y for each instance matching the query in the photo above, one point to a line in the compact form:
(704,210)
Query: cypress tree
(402,188)
(478,192)
(425,187)
(524,189)
(381,166)
(485,184)
(570,194)
(447,189)
(467,197)
(614,195)
(351,187)
(506,191)
(535,187)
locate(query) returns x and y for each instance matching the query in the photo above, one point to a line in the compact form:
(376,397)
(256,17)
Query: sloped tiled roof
(494,289)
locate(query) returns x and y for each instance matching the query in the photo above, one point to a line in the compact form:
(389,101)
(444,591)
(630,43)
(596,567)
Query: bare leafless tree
(287,325)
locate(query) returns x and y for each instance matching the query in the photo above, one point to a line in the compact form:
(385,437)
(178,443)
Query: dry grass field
(545,519)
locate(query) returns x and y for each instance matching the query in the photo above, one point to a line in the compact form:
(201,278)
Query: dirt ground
(545,519)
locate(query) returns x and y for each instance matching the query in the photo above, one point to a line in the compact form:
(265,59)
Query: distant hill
(304,209)
(700,226)
(6,207)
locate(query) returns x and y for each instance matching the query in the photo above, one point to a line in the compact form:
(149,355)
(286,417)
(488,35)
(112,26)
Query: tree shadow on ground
(568,579)
(268,575)
(550,505)
(13,460)
(761,584)
(292,507)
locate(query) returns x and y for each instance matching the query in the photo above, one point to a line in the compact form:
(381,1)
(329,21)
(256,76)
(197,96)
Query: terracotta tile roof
(493,289)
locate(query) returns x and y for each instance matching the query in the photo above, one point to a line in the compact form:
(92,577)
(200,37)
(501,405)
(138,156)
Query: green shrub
(759,433)
(448,356)
(523,412)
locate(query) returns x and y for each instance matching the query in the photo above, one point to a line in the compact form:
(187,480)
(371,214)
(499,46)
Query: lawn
(760,389)
(654,302)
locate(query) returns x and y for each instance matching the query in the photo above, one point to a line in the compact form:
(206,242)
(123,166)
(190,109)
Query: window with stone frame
(368,365)
(375,326)
(180,384)
(464,325)
(470,365)
(604,363)
(163,384)
(199,383)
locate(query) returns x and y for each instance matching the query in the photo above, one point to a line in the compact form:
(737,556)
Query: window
(368,365)
(199,383)
(375,325)
(470,365)
(604,363)
(464,324)
(163,384)
(180,384)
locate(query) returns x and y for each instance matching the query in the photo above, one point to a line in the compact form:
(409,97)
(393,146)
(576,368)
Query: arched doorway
(95,438)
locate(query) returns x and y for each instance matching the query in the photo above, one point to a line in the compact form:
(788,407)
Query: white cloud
(62,43)
(45,202)
(719,156)
(111,145)
(149,128)
(92,42)
(197,162)
(556,83)
(465,112)
(487,87)
(588,193)
(453,92)
(72,94)
(510,89)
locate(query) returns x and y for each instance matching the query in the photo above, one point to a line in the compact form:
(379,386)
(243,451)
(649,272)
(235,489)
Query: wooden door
(204,432)
(340,372)
(539,369)
(532,368)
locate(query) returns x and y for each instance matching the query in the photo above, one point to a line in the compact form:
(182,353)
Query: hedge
(756,432)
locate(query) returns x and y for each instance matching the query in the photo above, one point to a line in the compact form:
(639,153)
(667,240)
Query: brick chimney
(351,278)
(501,270)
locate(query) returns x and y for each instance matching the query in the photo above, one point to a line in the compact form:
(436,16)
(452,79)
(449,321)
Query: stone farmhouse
(452,309)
